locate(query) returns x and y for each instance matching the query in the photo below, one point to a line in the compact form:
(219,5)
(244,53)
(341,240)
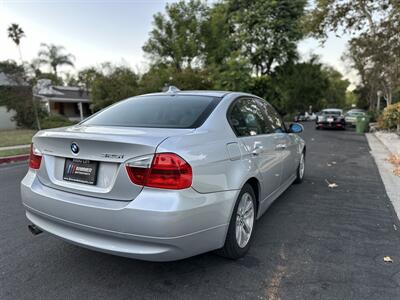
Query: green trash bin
(362,124)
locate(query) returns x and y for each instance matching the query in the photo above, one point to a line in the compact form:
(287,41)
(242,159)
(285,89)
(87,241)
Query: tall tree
(300,85)
(176,38)
(16,33)
(33,68)
(115,84)
(217,31)
(374,49)
(268,31)
(53,56)
(348,16)
(335,93)
(18,96)
(87,76)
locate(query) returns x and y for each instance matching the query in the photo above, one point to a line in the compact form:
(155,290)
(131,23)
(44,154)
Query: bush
(390,118)
(54,121)
(373,115)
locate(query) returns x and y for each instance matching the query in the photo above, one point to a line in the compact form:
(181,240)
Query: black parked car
(331,118)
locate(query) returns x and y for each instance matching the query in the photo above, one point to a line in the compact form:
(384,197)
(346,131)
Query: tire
(232,248)
(300,172)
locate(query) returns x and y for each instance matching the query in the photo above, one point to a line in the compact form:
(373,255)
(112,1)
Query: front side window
(273,118)
(247,119)
(158,111)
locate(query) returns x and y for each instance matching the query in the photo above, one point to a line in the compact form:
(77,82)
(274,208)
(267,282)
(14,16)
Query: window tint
(246,118)
(331,112)
(273,118)
(160,111)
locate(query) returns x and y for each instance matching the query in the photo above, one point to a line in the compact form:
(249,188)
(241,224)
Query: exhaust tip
(34,229)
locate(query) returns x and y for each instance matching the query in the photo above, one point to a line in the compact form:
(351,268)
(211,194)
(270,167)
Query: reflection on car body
(167,175)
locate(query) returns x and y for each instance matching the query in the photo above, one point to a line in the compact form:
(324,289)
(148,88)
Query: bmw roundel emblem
(74,148)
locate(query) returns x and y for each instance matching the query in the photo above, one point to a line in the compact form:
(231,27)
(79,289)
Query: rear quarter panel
(213,169)
(206,150)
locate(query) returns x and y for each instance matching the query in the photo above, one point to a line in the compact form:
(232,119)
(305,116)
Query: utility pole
(378,104)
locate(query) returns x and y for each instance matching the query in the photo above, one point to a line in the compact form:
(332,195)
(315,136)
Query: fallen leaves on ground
(394,159)
(387,259)
(331,185)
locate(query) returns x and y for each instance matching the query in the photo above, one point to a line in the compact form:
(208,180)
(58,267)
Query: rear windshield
(159,111)
(355,113)
(331,112)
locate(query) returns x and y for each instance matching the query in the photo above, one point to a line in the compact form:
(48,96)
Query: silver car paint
(148,223)
(94,143)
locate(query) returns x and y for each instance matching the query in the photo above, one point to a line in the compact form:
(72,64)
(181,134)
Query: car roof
(357,110)
(209,93)
(332,109)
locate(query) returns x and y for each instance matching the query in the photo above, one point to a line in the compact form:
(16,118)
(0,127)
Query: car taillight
(35,158)
(163,170)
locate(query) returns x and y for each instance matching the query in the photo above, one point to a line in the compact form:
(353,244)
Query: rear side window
(159,111)
(247,118)
(331,112)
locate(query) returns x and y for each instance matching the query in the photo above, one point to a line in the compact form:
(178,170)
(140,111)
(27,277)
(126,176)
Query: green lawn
(13,152)
(16,137)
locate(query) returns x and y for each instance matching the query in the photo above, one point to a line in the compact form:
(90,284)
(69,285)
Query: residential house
(70,102)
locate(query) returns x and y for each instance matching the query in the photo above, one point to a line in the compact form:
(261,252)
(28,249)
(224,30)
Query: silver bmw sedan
(163,176)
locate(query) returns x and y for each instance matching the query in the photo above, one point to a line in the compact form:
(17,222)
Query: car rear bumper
(338,125)
(159,225)
(351,122)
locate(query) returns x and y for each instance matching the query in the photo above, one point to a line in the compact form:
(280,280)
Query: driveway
(315,242)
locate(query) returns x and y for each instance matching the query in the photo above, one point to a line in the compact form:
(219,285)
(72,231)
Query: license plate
(329,120)
(80,170)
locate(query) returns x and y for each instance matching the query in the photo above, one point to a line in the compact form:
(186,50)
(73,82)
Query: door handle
(281,147)
(257,150)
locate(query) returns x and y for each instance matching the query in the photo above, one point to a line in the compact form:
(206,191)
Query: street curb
(15,158)
(384,143)
(380,152)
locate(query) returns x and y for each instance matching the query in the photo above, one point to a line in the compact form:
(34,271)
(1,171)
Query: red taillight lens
(137,175)
(34,158)
(167,171)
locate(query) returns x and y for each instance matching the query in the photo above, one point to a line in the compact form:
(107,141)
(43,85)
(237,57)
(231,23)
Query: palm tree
(16,34)
(33,68)
(54,57)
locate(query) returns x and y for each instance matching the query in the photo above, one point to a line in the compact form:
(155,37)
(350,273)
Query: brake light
(164,170)
(35,158)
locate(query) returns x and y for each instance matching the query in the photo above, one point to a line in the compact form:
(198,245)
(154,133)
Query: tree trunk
(20,55)
(36,113)
(389,98)
(368,16)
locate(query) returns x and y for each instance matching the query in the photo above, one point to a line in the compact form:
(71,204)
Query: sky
(95,31)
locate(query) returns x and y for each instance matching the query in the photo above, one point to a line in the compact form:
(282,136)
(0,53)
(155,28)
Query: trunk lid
(111,147)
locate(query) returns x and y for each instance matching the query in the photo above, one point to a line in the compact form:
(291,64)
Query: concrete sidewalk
(390,140)
(382,146)
(14,158)
(15,147)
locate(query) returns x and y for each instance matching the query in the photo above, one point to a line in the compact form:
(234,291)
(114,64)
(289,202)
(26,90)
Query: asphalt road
(313,243)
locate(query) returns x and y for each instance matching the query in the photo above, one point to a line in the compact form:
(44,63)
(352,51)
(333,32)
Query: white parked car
(351,116)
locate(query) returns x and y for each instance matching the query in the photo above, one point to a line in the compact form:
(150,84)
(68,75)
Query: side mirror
(296,128)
